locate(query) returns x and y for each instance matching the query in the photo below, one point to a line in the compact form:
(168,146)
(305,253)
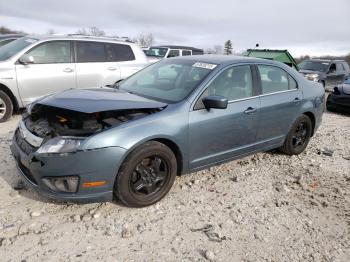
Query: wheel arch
(174,147)
(11,96)
(313,120)
(176,150)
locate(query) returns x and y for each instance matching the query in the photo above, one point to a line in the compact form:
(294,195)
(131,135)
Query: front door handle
(68,70)
(250,110)
(111,68)
(296,100)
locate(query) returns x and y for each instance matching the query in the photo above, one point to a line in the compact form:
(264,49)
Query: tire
(298,138)
(137,183)
(6,107)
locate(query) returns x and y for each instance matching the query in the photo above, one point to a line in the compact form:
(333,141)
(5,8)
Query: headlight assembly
(60,145)
(313,77)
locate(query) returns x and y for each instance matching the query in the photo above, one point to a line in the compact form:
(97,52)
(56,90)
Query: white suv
(32,66)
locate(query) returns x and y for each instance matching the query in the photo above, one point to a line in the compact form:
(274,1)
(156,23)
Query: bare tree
(93,31)
(5,30)
(50,32)
(218,49)
(144,40)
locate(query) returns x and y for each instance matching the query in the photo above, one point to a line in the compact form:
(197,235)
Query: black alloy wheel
(146,175)
(149,175)
(298,136)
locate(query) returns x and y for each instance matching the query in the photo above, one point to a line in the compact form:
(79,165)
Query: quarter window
(233,83)
(173,53)
(51,53)
(273,79)
(119,53)
(186,52)
(90,52)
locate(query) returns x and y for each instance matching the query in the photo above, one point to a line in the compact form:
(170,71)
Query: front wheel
(146,175)
(6,107)
(298,136)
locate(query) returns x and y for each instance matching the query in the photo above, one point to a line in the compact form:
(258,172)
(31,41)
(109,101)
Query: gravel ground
(265,207)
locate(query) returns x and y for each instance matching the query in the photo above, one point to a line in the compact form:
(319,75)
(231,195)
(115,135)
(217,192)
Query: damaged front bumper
(96,165)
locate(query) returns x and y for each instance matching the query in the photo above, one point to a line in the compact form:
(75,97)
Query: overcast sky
(315,27)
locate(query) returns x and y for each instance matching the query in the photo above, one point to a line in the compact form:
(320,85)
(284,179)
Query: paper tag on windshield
(204,65)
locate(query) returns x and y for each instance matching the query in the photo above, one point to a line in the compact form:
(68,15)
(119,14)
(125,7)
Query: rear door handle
(296,100)
(68,70)
(250,110)
(111,68)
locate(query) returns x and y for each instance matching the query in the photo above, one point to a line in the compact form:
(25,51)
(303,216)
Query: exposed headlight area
(312,77)
(60,145)
(68,184)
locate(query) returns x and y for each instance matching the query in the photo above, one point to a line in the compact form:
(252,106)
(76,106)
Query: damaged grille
(23,144)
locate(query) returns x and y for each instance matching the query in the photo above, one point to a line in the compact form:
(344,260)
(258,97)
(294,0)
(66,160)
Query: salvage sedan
(339,99)
(173,117)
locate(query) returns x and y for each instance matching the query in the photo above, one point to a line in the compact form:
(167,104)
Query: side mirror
(26,59)
(215,101)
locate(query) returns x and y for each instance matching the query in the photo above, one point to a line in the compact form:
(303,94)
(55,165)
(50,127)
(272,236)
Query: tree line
(147,40)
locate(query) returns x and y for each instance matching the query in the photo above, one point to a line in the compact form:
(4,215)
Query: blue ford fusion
(173,117)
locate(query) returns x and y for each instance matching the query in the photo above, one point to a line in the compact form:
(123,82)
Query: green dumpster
(279,55)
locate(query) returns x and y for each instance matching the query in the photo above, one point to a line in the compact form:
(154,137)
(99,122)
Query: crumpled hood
(98,100)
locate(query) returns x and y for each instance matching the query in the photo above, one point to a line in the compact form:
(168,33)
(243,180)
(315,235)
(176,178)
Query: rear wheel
(6,107)
(146,175)
(298,136)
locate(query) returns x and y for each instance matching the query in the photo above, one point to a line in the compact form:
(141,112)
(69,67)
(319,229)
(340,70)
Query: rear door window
(119,53)
(173,53)
(52,52)
(273,79)
(186,52)
(88,52)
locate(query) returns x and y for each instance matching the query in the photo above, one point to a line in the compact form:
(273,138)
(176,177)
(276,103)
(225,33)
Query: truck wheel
(146,175)
(6,107)
(298,136)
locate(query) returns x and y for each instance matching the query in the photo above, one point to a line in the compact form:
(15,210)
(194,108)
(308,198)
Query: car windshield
(314,66)
(347,81)
(157,51)
(168,81)
(9,50)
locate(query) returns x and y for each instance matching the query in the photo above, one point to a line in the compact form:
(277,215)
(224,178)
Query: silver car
(33,66)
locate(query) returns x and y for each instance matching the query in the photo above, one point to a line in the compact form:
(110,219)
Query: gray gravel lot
(265,207)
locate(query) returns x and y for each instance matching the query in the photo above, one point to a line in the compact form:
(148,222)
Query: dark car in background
(327,72)
(8,38)
(339,99)
(175,116)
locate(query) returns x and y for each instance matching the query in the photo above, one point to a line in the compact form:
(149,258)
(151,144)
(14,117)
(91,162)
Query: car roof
(81,37)
(224,59)
(10,36)
(326,60)
(179,47)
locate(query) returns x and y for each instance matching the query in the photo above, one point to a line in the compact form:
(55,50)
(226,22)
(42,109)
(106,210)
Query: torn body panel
(84,112)
(48,122)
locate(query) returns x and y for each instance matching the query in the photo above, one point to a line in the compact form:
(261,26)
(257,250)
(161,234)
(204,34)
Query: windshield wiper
(116,85)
